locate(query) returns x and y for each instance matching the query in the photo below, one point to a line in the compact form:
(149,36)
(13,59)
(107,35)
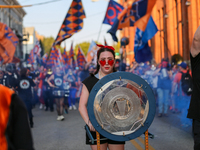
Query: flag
(105,43)
(8,43)
(59,59)
(44,58)
(143,54)
(112,12)
(72,23)
(37,48)
(80,58)
(53,58)
(15,60)
(1,60)
(65,57)
(91,51)
(34,55)
(31,59)
(141,48)
(141,38)
(136,14)
(72,62)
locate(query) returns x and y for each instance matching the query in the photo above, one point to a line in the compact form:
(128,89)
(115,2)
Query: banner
(72,23)
(8,43)
(136,14)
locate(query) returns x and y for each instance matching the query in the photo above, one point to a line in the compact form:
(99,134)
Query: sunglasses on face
(103,62)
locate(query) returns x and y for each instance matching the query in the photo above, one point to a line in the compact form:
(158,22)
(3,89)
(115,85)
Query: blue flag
(136,14)
(141,38)
(112,12)
(143,54)
(141,48)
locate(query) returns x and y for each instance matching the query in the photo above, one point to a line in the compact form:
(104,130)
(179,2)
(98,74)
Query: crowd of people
(62,86)
(171,84)
(46,86)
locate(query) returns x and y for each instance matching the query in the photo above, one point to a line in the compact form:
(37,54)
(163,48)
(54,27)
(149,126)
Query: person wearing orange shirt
(15,132)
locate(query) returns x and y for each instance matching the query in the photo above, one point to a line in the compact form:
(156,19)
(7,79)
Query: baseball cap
(183,65)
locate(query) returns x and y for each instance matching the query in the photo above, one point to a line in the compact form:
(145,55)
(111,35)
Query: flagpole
(101,28)
(99,32)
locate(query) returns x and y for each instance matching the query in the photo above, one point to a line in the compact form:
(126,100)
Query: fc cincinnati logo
(24,84)
(58,82)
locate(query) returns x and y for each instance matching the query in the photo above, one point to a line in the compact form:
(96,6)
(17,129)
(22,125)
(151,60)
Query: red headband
(109,47)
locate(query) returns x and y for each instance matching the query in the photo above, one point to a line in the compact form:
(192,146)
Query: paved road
(50,134)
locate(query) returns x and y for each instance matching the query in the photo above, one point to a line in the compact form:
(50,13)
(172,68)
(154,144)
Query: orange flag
(8,43)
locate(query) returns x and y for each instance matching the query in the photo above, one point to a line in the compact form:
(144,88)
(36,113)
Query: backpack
(186,83)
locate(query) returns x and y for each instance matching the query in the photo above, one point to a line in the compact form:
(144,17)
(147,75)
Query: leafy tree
(47,43)
(84,46)
(117,47)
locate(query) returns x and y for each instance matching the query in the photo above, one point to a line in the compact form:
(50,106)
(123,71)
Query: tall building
(28,44)
(13,17)
(177,21)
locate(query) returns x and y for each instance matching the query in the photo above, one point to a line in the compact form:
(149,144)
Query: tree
(47,43)
(117,47)
(84,46)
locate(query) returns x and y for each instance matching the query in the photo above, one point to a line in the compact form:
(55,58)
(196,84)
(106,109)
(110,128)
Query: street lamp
(166,16)
(187,3)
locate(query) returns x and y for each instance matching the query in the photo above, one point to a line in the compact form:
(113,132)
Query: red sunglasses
(103,62)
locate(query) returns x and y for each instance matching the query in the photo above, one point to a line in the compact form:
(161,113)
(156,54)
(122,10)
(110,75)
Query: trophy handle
(89,134)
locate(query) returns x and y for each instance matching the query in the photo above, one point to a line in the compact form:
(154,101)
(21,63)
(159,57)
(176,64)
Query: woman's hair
(23,72)
(102,49)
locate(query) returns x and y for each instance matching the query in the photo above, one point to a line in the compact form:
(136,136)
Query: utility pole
(185,41)
(165,30)
(177,26)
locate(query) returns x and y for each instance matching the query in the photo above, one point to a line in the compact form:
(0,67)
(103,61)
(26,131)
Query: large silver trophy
(121,106)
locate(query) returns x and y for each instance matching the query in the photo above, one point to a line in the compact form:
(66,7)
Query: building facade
(13,17)
(177,21)
(28,44)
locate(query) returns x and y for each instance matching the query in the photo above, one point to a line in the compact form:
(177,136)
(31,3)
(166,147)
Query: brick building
(177,21)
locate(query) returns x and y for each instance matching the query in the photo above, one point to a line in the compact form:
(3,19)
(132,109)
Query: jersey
(58,81)
(24,87)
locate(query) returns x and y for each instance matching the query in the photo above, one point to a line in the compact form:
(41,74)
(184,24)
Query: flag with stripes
(65,57)
(80,58)
(72,62)
(35,53)
(54,55)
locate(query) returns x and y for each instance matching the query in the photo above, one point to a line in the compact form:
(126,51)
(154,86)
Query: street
(50,134)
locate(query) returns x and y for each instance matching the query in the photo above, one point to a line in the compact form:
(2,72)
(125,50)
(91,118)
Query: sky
(47,20)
